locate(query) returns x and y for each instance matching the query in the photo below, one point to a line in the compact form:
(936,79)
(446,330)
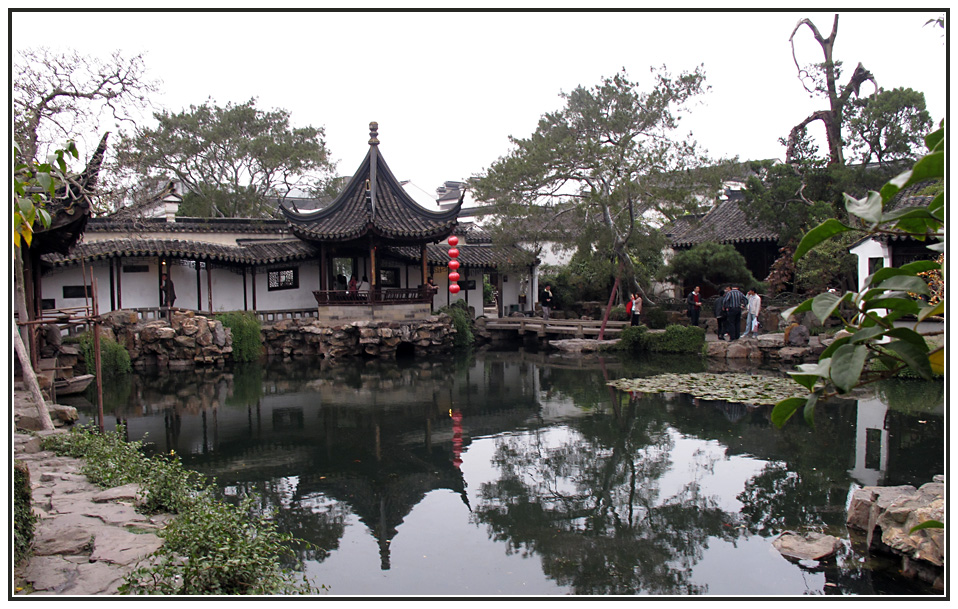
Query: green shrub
(675,339)
(23,519)
(462,322)
(227,549)
(679,339)
(219,548)
(114,358)
(247,335)
(655,317)
(109,459)
(633,339)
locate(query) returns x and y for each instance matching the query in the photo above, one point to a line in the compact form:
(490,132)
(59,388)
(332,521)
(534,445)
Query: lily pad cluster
(733,387)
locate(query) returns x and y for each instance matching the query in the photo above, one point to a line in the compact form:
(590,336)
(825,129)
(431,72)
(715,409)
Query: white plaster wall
(53,281)
(870,248)
(301,298)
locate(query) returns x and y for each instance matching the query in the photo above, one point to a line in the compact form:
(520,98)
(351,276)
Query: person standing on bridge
(546,301)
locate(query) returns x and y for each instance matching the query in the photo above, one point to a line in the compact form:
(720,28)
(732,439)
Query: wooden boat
(73,385)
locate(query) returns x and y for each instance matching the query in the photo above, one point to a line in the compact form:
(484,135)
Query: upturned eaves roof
(395,216)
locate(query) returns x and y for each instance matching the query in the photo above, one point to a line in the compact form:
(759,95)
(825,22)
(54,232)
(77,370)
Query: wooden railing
(573,327)
(365,297)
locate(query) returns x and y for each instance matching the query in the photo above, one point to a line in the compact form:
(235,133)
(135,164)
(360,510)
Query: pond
(523,473)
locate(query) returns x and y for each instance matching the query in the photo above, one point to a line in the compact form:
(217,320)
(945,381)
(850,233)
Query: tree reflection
(587,500)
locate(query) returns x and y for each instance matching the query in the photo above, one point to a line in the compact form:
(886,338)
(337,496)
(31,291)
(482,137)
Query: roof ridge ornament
(373,162)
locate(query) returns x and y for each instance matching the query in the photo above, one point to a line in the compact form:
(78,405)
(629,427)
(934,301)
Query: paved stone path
(86,538)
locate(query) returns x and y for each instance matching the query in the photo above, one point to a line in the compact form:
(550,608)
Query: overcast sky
(448,88)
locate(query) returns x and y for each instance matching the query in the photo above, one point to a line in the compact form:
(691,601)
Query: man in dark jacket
(734,303)
(694,302)
(720,328)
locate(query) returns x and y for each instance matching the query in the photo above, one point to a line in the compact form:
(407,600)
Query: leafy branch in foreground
(888,295)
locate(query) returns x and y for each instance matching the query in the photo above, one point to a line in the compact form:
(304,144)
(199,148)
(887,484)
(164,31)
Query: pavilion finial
(374,133)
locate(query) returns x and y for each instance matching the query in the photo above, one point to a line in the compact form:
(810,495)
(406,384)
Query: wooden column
(199,287)
(372,266)
(112,285)
(323,271)
(209,285)
(425,268)
(253,278)
(119,283)
(245,301)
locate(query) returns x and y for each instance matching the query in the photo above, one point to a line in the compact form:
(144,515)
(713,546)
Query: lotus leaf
(743,388)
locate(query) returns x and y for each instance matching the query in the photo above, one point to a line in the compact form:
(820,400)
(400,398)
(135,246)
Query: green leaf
(928,524)
(44,217)
(45,181)
(868,208)
(916,357)
(838,342)
(825,304)
(910,336)
(918,213)
(905,306)
(847,365)
(937,206)
(809,411)
(920,266)
(926,312)
(935,139)
(809,374)
(804,306)
(906,283)
(826,230)
(891,188)
(784,410)
(928,167)
(865,335)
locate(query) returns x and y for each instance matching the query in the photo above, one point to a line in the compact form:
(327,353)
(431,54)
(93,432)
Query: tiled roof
(259,253)
(469,255)
(724,223)
(189,225)
(393,215)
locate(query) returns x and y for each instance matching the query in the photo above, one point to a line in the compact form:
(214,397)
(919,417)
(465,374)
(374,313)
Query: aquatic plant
(742,388)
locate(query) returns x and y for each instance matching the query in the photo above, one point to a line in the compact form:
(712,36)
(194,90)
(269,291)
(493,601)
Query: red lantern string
(453,265)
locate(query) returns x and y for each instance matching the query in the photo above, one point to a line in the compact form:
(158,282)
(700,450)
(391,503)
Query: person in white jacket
(754,306)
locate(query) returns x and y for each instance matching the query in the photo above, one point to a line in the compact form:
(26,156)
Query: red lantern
(454,241)
(453,265)
(454,288)
(453,276)
(453,253)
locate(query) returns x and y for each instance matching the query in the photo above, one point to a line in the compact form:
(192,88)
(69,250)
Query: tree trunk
(20,294)
(30,379)
(608,309)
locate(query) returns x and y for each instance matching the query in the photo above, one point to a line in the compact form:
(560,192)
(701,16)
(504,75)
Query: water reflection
(534,466)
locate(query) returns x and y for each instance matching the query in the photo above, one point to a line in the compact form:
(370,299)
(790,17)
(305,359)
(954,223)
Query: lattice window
(283,279)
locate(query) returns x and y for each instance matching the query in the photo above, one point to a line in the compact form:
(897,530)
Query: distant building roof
(724,223)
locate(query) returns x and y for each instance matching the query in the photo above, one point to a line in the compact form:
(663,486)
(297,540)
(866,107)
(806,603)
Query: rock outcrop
(187,340)
(381,339)
(888,514)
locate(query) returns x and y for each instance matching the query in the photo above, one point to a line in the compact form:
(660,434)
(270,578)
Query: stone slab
(117,546)
(810,546)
